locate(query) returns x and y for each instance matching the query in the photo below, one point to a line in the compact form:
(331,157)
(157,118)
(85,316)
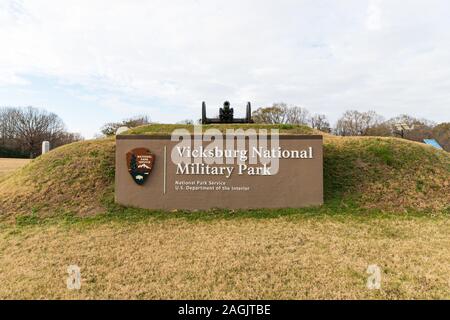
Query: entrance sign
(204,171)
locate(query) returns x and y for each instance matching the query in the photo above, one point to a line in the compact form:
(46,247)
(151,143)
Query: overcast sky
(94,61)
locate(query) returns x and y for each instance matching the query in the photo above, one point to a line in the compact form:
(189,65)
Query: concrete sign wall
(155,172)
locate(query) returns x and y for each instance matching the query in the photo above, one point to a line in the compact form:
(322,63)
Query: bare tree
(410,121)
(271,115)
(320,122)
(280,113)
(22,130)
(7,133)
(33,126)
(110,129)
(355,123)
(297,115)
(9,145)
(383,129)
(418,129)
(65,138)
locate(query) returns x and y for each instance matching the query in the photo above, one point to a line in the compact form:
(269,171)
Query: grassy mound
(75,177)
(364,172)
(386,173)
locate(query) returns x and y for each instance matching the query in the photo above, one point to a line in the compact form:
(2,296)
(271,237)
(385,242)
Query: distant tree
(22,130)
(7,133)
(110,129)
(186,121)
(65,138)
(320,122)
(441,133)
(271,115)
(355,123)
(34,126)
(297,115)
(280,113)
(419,128)
(382,129)
(12,153)
(410,121)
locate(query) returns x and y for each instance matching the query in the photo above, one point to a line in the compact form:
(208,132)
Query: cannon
(226,115)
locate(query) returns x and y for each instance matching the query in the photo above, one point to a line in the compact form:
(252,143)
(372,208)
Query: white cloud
(323,55)
(373,21)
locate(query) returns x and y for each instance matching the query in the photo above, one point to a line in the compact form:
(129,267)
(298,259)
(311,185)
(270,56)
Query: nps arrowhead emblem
(140,163)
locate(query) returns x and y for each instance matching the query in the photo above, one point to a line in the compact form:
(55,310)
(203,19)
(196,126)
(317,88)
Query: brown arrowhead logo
(140,163)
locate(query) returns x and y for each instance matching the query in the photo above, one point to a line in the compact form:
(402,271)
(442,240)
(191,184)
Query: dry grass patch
(9,165)
(291,257)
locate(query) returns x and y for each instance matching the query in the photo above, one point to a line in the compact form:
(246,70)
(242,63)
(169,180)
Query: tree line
(351,123)
(22,131)
(356,123)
